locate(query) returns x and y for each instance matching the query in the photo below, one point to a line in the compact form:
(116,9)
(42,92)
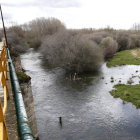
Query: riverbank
(25,84)
(128,92)
(127,57)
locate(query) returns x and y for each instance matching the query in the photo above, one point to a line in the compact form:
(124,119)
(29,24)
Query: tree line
(76,50)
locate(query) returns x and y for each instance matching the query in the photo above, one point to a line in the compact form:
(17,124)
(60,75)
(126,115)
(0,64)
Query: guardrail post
(3,129)
(2,78)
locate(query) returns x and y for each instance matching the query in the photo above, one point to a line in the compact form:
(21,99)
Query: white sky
(119,14)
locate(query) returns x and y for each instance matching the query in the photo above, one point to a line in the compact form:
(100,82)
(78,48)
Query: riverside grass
(129,93)
(125,58)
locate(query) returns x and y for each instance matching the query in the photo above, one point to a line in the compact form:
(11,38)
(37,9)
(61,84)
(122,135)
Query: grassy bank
(127,57)
(129,93)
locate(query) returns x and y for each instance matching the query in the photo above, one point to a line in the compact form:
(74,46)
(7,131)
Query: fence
(23,126)
(3,77)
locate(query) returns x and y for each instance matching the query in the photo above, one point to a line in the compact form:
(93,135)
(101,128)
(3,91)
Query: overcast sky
(119,14)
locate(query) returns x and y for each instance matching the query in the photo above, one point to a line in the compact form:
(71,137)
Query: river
(87,109)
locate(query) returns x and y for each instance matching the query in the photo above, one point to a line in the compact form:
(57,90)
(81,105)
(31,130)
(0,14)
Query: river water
(87,109)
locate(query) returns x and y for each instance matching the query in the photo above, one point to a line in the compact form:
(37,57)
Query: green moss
(129,93)
(22,77)
(124,58)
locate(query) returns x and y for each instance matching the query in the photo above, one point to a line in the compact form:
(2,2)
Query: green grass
(124,58)
(129,93)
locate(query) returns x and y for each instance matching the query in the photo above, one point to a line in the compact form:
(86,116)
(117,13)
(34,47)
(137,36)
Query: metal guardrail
(3,77)
(23,124)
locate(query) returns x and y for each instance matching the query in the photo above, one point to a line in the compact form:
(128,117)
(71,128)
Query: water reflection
(87,109)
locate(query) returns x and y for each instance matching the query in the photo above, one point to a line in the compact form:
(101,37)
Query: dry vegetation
(15,37)
(72,51)
(76,50)
(109,46)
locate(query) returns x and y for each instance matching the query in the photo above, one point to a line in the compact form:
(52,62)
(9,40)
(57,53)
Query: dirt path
(135,53)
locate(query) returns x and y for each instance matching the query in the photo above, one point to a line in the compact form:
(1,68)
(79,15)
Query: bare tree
(36,29)
(72,51)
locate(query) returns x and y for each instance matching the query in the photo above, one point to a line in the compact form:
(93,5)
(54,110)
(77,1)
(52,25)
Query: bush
(16,42)
(109,46)
(14,54)
(36,43)
(15,38)
(103,34)
(17,30)
(96,38)
(72,52)
(124,41)
(135,41)
(19,48)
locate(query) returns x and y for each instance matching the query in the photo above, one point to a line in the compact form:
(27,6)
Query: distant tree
(36,29)
(136,27)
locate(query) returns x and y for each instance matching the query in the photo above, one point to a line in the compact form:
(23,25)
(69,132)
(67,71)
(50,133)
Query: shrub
(109,47)
(17,30)
(20,48)
(15,38)
(96,38)
(103,34)
(72,52)
(135,41)
(16,42)
(124,41)
(14,54)
(36,43)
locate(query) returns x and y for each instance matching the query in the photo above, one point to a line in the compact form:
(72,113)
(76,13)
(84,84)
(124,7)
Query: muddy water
(87,109)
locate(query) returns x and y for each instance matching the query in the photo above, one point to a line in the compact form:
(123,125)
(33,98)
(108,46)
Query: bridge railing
(3,77)
(22,119)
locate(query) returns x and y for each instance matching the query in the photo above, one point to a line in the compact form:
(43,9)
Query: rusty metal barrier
(3,77)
